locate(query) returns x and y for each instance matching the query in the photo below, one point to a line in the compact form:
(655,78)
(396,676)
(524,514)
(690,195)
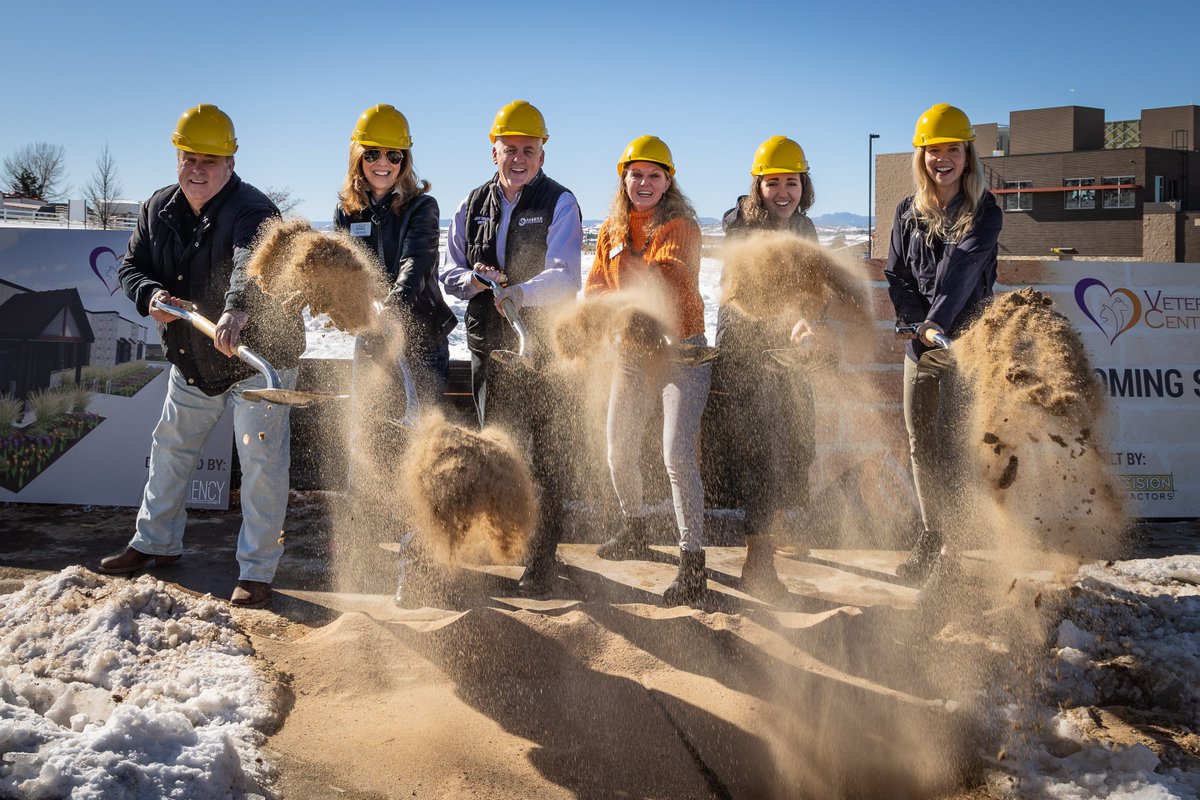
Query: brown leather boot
(130,560)
(759,577)
(251,594)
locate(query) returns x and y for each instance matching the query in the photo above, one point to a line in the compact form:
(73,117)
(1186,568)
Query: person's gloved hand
(802,333)
(513,293)
(926,331)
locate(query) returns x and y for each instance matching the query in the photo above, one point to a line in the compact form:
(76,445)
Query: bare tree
(103,189)
(282,198)
(45,162)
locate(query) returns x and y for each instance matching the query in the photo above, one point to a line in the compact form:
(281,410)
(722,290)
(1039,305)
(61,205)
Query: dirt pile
(332,274)
(599,328)
(471,492)
(775,273)
(1034,435)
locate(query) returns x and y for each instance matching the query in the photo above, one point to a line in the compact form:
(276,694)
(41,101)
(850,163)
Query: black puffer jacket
(949,284)
(202,259)
(407,246)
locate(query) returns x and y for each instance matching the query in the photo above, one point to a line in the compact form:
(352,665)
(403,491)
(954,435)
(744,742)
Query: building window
(1018,200)
(1080,197)
(1117,198)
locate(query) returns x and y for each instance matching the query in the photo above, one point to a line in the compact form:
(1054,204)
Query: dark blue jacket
(949,284)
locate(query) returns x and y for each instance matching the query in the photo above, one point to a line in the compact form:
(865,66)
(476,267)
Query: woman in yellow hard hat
(941,268)
(384,205)
(762,424)
(652,239)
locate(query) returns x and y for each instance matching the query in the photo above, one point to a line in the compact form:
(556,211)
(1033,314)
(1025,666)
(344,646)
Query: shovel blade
(290,397)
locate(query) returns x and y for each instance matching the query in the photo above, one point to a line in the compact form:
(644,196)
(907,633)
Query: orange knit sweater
(673,254)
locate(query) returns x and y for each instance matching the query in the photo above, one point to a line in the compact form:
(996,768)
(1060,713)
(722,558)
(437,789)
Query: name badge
(360,229)
(616,251)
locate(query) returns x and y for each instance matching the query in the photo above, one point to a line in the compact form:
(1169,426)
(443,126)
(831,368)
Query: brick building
(1069,181)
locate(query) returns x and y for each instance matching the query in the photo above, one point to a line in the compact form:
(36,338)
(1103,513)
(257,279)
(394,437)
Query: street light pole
(871,137)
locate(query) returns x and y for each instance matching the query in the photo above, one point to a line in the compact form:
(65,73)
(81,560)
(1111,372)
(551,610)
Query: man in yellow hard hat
(189,249)
(524,232)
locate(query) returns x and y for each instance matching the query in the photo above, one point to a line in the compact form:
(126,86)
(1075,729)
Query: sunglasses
(393,156)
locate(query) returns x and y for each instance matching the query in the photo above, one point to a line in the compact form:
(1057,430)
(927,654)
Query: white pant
(630,404)
(188,416)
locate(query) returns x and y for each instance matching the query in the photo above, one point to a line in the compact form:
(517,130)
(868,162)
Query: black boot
(920,560)
(759,577)
(541,568)
(629,543)
(689,585)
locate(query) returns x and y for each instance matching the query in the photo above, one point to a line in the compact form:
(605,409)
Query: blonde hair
(754,207)
(355,195)
(672,205)
(928,213)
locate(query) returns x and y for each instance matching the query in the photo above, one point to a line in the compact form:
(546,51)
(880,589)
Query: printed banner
(1140,324)
(62,316)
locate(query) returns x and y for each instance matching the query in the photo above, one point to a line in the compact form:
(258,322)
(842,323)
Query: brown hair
(754,207)
(926,210)
(355,195)
(672,205)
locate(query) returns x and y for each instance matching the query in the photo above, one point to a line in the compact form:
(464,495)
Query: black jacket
(407,246)
(203,259)
(947,283)
(738,335)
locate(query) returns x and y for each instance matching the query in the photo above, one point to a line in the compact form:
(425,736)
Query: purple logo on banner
(110,271)
(1115,310)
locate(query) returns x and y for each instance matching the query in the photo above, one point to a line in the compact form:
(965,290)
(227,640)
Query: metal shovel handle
(510,313)
(206,326)
(274,392)
(909,331)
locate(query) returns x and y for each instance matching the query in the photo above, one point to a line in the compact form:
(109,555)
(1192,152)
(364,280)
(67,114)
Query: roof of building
(25,316)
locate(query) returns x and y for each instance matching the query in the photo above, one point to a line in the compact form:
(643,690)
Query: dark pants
(528,404)
(768,440)
(933,407)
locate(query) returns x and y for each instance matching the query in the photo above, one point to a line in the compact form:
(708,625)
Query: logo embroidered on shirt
(530,221)
(482,220)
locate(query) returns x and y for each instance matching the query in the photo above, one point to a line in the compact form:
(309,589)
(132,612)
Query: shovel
(525,346)
(910,331)
(274,392)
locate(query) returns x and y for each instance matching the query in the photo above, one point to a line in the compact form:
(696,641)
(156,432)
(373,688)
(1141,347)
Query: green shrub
(50,406)
(11,410)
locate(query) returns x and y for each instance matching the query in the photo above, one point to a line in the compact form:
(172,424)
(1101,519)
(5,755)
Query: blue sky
(712,79)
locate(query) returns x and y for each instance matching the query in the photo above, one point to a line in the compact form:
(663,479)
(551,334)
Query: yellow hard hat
(778,155)
(382,126)
(519,118)
(205,129)
(943,123)
(647,148)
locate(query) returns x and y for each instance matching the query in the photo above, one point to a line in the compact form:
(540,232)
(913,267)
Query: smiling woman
(651,240)
(941,268)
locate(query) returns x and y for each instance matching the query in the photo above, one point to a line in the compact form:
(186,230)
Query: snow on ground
(133,689)
(1129,637)
(127,689)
